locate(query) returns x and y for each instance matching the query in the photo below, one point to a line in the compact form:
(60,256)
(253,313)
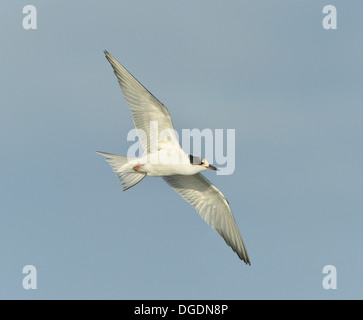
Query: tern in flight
(152,119)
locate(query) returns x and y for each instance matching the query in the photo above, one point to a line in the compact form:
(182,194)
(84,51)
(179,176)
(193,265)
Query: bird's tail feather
(128,176)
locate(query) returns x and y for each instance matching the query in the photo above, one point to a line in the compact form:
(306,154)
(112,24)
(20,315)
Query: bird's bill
(212,167)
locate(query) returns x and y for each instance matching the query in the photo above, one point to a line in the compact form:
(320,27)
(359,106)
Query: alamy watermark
(330,20)
(30,20)
(330,280)
(30,280)
(219,146)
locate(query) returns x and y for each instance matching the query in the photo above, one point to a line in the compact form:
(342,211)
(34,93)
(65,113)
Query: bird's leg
(137,168)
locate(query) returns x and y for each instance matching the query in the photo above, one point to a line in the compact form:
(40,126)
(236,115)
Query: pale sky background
(268,69)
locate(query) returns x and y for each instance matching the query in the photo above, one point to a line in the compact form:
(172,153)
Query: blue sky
(291,90)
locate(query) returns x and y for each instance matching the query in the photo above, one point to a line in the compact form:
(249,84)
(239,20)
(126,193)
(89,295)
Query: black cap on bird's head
(200,161)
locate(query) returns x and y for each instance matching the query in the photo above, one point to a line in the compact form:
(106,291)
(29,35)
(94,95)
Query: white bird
(183,175)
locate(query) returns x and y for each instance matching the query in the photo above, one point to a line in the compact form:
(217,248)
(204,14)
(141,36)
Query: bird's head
(198,161)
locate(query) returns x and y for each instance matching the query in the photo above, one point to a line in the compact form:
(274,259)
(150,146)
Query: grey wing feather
(212,206)
(144,107)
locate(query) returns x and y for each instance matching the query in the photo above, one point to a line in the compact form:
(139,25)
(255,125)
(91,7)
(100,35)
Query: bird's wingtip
(247,261)
(107,54)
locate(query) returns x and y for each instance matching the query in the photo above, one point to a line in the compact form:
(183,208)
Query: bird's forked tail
(128,176)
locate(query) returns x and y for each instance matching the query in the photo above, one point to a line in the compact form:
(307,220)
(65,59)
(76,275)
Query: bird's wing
(147,111)
(212,206)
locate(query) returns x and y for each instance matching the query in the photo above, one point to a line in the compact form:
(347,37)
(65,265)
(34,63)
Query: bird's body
(163,170)
(154,165)
(163,157)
